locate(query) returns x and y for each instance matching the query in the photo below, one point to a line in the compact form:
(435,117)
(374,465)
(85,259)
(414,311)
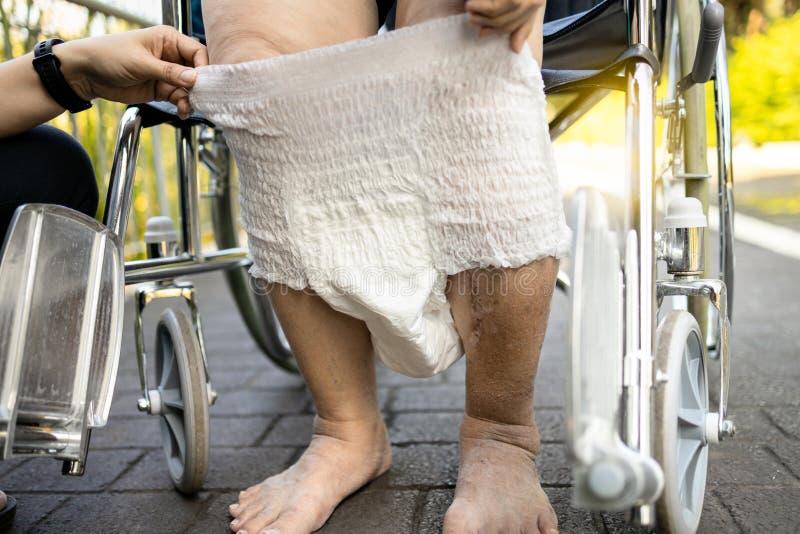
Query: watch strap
(48,67)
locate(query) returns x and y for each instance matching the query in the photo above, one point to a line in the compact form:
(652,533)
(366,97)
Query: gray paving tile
(548,392)
(760,509)
(425,427)
(215,519)
(752,424)
(44,474)
(786,419)
(569,519)
(124,405)
(437,398)
(273,377)
(370,512)
(126,432)
(551,427)
(421,465)
(383,398)
(238,469)
(787,452)
(32,507)
(745,463)
(716,518)
(132,513)
(228,469)
(229,431)
(552,465)
(260,402)
(150,473)
(12,463)
(127,382)
(436,503)
(291,430)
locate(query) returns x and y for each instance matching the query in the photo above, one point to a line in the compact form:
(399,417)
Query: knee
(47,165)
(73,184)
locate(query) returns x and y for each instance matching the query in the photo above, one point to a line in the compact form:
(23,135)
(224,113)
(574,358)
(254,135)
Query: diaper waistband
(448,39)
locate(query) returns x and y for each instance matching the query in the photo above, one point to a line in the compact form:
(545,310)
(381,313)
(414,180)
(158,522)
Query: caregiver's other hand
(133,67)
(516,17)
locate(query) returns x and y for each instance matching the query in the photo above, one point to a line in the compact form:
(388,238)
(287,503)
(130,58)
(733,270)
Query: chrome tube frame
(123,173)
(184,265)
(640,178)
(144,296)
(716,292)
(189,188)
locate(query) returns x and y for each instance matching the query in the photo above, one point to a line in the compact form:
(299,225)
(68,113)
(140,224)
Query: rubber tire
(677,329)
(189,474)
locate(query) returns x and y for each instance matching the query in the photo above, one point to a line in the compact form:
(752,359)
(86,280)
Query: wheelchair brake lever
(711,24)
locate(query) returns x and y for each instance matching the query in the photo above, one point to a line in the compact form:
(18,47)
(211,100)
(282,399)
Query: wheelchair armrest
(155,113)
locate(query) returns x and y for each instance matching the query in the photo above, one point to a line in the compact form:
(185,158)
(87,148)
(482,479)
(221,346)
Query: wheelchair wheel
(182,401)
(681,407)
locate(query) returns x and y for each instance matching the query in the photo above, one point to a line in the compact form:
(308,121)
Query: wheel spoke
(178,432)
(689,453)
(171,398)
(694,373)
(167,360)
(692,417)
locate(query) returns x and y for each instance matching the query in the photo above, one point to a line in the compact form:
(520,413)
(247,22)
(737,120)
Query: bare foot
(342,457)
(498,487)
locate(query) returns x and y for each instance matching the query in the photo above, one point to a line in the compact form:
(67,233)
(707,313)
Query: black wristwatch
(48,67)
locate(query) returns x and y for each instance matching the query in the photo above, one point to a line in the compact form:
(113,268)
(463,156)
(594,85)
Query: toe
(293,520)
(258,522)
(245,514)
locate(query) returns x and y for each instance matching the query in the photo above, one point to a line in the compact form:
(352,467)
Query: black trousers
(45,165)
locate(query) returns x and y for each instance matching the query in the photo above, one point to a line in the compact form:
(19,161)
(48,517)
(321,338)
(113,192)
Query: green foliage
(765,83)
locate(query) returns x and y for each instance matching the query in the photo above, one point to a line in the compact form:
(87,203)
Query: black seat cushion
(593,38)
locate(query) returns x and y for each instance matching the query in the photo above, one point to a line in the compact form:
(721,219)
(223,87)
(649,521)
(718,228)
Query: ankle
(525,437)
(366,426)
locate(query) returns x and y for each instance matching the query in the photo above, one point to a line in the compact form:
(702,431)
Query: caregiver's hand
(133,67)
(516,17)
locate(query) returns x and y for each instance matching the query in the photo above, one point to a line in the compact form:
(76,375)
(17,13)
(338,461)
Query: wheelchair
(647,315)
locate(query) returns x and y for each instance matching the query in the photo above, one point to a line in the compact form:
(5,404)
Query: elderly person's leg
(350,445)
(501,316)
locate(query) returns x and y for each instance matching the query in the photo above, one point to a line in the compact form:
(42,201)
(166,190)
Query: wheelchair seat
(586,42)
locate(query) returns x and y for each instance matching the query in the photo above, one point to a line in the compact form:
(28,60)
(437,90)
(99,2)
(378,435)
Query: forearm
(25,103)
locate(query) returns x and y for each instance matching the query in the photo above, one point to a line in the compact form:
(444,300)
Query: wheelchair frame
(637,76)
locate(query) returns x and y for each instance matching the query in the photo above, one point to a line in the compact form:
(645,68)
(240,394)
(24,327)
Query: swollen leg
(501,315)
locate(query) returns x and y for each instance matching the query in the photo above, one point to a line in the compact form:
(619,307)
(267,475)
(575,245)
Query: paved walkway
(262,418)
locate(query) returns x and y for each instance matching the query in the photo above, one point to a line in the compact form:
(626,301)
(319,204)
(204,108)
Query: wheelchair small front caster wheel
(681,445)
(181,400)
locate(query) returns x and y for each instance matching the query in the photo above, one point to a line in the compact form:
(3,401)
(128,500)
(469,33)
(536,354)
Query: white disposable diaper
(371,170)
